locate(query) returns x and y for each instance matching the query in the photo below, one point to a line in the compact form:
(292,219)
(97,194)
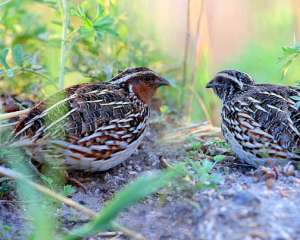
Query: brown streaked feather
(115,114)
(95,126)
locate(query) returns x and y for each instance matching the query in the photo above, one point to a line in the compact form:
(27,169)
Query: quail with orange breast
(94,126)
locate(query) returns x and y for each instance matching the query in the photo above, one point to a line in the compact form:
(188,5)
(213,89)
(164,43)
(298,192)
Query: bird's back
(265,121)
(90,122)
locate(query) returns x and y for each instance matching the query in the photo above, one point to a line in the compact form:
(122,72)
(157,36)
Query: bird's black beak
(163,82)
(211,84)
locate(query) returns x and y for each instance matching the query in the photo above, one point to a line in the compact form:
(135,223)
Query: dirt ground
(244,206)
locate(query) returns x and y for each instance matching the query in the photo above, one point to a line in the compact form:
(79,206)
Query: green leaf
(133,192)
(219,158)
(3,55)
(49,181)
(18,54)
(104,25)
(68,190)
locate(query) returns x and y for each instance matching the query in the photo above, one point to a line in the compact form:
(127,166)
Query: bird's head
(143,82)
(228,83)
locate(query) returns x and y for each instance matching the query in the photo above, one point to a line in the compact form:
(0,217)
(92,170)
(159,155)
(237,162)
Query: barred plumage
(260,122)
(97,125)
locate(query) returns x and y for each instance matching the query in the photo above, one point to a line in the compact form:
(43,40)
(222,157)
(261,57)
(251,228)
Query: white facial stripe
(226,75)
(131,75)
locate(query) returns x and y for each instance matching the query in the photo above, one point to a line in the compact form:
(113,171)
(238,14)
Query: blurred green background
(184,40)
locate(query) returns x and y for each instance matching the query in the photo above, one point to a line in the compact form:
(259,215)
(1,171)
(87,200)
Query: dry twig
(10,115)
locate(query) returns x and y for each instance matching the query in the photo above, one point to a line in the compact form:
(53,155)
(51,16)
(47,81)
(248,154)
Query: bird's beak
(164,82)
(212,84)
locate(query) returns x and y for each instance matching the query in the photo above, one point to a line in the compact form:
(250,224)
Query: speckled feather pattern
(93,126)
(261,122)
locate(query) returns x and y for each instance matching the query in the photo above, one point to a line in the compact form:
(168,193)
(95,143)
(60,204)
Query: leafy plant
(200,175)
(65,190)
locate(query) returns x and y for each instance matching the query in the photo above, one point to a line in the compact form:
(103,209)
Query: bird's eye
(241,76)
(219,80)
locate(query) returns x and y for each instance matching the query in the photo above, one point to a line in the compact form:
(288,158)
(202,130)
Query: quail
(93,127)
(260,122)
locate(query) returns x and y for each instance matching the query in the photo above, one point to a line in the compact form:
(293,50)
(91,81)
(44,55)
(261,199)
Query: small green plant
(65,190)
(220,143)
(68,190)
(219,158)
(200,174)
(196,145)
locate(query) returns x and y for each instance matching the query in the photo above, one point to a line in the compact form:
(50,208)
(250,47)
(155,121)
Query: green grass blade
(133,192)
(39,209)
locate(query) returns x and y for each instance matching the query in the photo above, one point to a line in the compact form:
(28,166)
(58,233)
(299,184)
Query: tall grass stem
(63,49)
(185,57)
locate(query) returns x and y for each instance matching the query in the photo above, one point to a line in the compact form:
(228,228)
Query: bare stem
(64,35)
(186,55)
(10,115)
(195,62)
(202,105)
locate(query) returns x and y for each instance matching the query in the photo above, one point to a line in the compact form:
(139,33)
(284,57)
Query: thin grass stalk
(202,105)
(63,48)
(195,62)
(10,115)
(185,57)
